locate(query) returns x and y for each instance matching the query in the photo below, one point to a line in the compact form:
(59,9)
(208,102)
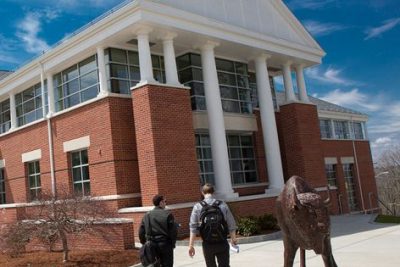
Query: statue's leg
(327,255)
(290,251)
(302,258)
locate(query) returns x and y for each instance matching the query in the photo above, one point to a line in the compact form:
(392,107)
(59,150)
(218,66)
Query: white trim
(76,144)
(141,84)
(269,194)
(2,163)
(347,160)
(118,197)
(331,160)
(250,185)
(323,188)
(336,115)
(32,155)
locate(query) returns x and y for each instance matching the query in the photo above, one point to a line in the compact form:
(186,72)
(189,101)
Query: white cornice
(342,116)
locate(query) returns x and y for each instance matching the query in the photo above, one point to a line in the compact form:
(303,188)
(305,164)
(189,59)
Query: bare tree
(388,179)
(53,219)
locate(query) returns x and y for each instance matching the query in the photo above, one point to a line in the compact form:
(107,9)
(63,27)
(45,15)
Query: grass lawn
(387,219)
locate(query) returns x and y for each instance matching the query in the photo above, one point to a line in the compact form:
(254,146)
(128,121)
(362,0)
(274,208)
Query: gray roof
(4,73)
(321,105)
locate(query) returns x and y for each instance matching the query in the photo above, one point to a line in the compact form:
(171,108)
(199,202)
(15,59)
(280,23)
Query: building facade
(162,96)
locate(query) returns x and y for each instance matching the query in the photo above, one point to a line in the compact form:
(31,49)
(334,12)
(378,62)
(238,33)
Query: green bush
(248,226)
(387,219)
(268,222)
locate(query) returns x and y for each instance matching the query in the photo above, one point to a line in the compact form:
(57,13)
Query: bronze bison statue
(304,220)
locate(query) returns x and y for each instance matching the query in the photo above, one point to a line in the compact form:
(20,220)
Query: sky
(361,70)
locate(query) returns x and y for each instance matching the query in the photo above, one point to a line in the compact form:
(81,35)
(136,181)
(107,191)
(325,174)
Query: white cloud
(386,26)
(309,4)
(330,75)
(352,99)
(30,27)
(320,29)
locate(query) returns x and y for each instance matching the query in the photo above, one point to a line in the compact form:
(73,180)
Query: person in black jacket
(163,231)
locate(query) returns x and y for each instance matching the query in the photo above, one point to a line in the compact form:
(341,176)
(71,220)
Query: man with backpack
(158,227)
(213,220)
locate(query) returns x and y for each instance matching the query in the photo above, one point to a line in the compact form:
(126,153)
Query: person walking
(162,232)
(213,220)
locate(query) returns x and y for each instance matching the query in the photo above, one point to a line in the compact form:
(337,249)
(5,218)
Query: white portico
(263,35)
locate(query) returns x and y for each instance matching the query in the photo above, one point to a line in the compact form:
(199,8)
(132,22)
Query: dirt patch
(77,259)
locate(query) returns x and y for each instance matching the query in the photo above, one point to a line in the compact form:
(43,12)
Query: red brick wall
(344,148)
(259,151)
(301,146)
(165,143)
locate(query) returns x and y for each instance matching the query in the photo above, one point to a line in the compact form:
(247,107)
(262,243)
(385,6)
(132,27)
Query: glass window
(233,77)
(34,183)
(5,117)
(204,158)
(348,171)
(28,104)
(357,130)
(330,170)
(123,69)
(325,128)
(72,84)
(2,187)
(80,172)
(341,130)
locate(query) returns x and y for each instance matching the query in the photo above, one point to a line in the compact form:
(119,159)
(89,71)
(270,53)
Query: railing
(81,29)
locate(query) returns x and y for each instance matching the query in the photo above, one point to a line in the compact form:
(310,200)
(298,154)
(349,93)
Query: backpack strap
(203,203)
(217,203)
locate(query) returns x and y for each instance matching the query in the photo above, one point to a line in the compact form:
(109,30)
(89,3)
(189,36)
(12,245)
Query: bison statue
(304,220)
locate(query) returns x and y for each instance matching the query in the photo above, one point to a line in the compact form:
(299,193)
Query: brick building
(161,96)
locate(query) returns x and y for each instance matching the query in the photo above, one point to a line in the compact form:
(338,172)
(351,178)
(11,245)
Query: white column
(301,85)
(50,95)
(216,125)
(287,80)
(171,71)
(146,67)
(268,124)
(102,72)
(13,112)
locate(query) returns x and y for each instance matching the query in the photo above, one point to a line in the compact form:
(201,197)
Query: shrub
(268,222)
(248,226)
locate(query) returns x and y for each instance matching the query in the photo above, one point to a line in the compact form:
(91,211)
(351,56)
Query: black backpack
(213,227)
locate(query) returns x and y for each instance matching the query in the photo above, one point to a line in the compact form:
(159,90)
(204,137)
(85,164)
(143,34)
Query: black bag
(148,252)
(213,227)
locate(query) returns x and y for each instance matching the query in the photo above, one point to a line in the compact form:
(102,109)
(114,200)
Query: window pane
(87,65)
(84,157)
(134,73)
(71,100)
(183,61)
(76,174)
(119,71)
(89,79)
(71,87)
(224,65)
(118,55)
(228,92)
(89,93)
(133,58)
(121,87)
(70,73)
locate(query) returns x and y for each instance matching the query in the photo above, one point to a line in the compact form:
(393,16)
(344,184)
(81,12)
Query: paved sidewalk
(356,242)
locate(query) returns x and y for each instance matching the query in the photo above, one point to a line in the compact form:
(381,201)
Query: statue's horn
(328,200)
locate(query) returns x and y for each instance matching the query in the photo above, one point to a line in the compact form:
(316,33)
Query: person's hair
(157,199)
(207,189)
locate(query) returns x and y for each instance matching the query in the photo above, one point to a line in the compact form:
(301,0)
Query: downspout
(356,162)
(47,117)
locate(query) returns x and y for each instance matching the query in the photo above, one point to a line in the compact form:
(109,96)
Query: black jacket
(163,226)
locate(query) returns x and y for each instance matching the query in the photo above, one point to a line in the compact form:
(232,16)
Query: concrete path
(356,242)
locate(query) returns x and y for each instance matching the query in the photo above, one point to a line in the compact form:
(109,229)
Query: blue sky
(361,38)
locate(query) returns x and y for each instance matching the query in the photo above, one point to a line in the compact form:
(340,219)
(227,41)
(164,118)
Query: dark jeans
(165,250)
(219,251)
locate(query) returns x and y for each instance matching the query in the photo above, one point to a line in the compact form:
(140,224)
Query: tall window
(357,130)
(204,158)
(2,188)
(80,172)
(241,159)
(5,117)
(29,104)
(76,84)
(350,186)
(341,129)
(325,128)
(330,170)
(233,78)
(254,96)
(124,72)
(34,180)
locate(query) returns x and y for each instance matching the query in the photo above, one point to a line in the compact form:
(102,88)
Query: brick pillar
(302,145)
(165,144)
